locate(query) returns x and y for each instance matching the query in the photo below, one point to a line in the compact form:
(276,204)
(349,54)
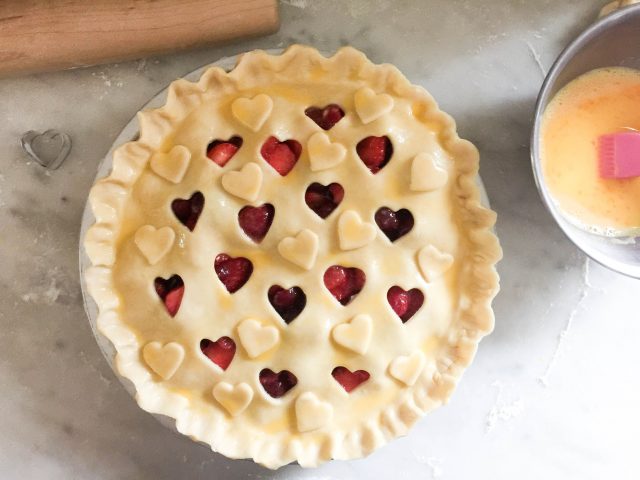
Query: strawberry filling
(170,292)
(282,156)
(348,379)
(256,221)
(394,224)
(405,303)
(344,283)
(221,151)
(323,200)
(375,152)
(325,117)
(289,303)
(233,272)
(277,384)
(220,352)
(188,211)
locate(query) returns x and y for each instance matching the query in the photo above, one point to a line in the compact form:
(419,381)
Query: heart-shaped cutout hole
(188,210)
(325,117)
(405,303)
(323,200)
(255,222)
(277,384)
(394,224)
(348,379)
(289,303)
(233,272)
(282,156)
(220,352)
(375,152)
(170,292)
(344,283)
(221,151)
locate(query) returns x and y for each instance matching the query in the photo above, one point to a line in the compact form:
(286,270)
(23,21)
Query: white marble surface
(554,392)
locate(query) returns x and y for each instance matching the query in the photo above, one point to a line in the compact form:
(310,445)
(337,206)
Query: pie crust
(449,255)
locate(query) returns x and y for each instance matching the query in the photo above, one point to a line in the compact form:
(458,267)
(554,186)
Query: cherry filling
(277,384)
(220,352)
(282,156)
(348,379)
(221,151)
(323,200)
(233,272)
(405,303)
(394,224)
(188,210)
(344,283)
(256,221)
(375,152)
(289,303)
(170,292)
(325,117)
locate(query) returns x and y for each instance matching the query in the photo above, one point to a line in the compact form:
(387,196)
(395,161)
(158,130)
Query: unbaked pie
(292,260)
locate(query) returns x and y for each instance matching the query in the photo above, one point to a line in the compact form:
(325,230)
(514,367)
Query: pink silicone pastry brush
(619,155)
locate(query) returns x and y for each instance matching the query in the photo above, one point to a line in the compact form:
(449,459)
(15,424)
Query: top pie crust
(449,255)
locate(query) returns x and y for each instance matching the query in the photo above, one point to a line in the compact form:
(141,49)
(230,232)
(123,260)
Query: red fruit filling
(233,272)
(344,283)
(348,379)
(188,211)
(220,352)
(221,151)
(394,224)
(256,221)
(325,117)
(405,303)
(170,292)
(282,156)
(375,152)
(323,200)
(277,384)
(289,303)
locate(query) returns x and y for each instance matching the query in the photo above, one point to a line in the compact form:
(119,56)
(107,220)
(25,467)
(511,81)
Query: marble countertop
(554,391)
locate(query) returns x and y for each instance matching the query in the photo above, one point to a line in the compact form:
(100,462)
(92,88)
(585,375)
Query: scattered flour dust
(47,294)
(297,3)
(434,463)
(506,407)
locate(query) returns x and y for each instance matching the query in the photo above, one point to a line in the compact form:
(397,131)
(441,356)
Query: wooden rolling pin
(39,35)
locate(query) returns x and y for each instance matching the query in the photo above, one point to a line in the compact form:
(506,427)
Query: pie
(292,260)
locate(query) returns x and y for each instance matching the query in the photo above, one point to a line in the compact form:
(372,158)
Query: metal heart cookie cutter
(48,149)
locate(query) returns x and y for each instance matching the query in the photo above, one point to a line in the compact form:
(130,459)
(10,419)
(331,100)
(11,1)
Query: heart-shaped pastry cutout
(244,183)
(252,112)
(344,283)
(375,152)
(348,379)
(282,156)
(405,303)
(171,165)
(48,149)
(354,335)
(257,338)
(277,384)
(188,210)
(164,360)
(233,272)
(394,224)
(325,117)
(289,303)
(323,154)
(220,352)
(371,106)
(154,243)
(433,263)
(353,233)
(407,369)
(256,221)
(221,151)
(312,413)
(234,398)
(301,250)
(323,200)
(426,175)
(170,292)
